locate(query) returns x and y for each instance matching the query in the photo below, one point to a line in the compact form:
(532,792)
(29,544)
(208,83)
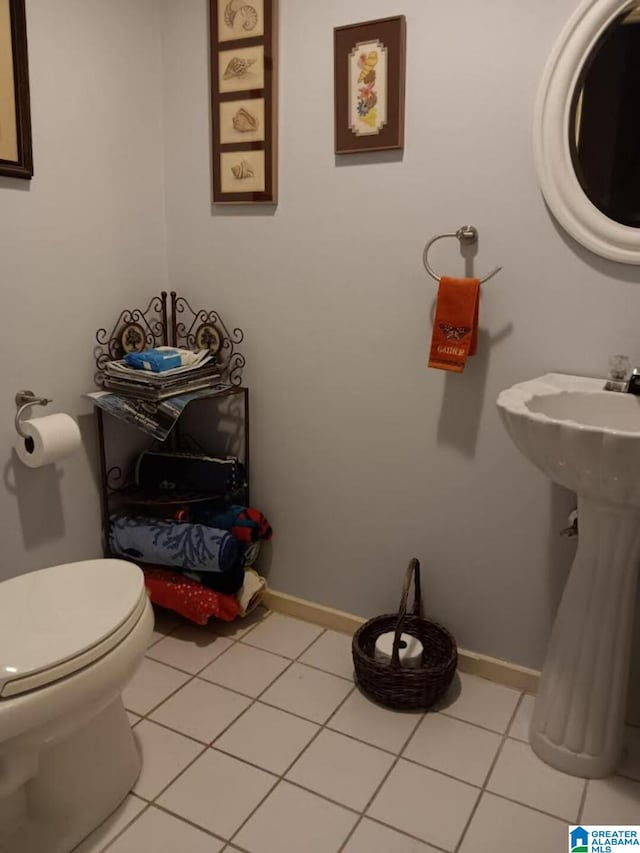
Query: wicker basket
(393,685)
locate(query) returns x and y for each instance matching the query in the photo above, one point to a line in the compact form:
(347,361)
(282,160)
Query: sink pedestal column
(578,721)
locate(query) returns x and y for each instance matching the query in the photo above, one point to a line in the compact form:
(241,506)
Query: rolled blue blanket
(174,543)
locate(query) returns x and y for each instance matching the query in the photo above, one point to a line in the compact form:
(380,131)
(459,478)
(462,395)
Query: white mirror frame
(558,181)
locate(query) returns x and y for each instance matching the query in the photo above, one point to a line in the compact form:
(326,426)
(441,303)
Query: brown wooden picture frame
(16,157)
(244,85)
(369,79)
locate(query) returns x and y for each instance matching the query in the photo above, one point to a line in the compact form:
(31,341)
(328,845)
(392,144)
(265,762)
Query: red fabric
(188,597)
(257,527)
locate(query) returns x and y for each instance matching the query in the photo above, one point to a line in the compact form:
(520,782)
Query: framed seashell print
(243,100)
(369,74)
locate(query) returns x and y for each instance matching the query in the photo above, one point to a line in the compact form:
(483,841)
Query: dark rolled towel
(193,547)
(176,472)
(226,583)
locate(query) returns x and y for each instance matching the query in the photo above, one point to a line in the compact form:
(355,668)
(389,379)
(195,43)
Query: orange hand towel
(455,331)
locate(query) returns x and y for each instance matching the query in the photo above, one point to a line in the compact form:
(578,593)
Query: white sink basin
(588,440)
(581,436)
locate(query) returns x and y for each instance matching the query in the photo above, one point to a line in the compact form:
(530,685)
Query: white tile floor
(254,739)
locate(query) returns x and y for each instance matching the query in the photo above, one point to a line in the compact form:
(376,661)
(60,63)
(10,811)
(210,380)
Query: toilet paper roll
(410,649)
(48,439)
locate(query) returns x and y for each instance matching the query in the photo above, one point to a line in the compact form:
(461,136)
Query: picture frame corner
(20,142)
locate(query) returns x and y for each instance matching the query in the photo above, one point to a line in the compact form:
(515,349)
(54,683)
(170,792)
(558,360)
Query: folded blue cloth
(156,360)
(174,543)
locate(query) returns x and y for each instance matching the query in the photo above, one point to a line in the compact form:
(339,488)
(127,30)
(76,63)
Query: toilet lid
(59,615)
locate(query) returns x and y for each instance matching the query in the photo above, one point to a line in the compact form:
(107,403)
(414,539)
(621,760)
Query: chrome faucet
(633,385)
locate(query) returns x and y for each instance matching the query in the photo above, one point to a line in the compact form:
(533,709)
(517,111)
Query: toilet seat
(56,621)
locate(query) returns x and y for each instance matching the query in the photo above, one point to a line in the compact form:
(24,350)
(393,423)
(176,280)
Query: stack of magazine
(146,385)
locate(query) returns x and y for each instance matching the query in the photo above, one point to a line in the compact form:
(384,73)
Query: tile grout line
(254,700)
(583,800)
(214,635)
(199,676)
(281,776)
(258,700)
(297,659)
(152,802)
(386,751)
(115,838)
(247,646)
(378,788)
(187,820)
(406,834)
(479,725)
(124,828)
(321,727)
(192,675)
(361,815)
(261,701)
(209,745)
(507,799)
(331,801)
(489,773)
(325,726)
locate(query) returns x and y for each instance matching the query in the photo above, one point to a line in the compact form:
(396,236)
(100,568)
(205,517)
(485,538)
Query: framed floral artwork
(16,160)
(243,100)
(369,74)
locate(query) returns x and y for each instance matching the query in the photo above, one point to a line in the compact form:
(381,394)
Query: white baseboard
(494,669)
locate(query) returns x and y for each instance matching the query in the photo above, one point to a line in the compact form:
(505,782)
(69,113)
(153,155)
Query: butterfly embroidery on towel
(453,333)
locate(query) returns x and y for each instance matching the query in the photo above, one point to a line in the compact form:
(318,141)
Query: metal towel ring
(467,235)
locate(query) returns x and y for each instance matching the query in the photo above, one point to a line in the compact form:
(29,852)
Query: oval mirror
(604,126)
(587,128)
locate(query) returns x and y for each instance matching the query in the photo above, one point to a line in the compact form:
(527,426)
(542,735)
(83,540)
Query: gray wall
(362,456)
(84,239)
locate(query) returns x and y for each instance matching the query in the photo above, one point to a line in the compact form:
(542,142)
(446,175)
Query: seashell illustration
(367,63)
(244,121)
(371,101)
(249,18)
(248,14)
(242,170)
(237,68)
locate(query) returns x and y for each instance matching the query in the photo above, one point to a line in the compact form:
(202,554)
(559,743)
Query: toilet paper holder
(24,399)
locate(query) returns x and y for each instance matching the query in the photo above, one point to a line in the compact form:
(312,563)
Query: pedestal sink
(588,440)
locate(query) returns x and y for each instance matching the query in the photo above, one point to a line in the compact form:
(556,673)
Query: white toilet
(70,638)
